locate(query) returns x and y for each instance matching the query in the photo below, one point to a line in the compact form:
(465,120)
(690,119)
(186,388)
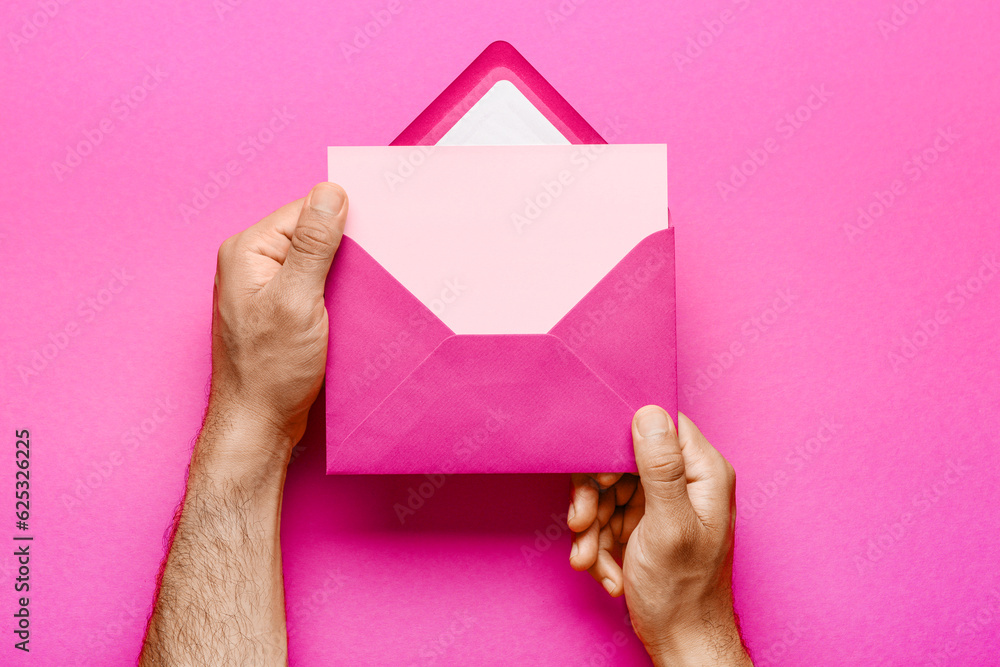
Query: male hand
(671,528)
(270,325)
(220,597)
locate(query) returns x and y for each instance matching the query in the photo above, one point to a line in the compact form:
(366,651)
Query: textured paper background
(834,445)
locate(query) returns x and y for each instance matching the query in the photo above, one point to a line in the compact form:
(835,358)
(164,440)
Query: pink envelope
(471,332)
(418,385)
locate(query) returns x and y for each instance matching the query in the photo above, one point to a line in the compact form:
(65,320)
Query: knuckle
(282,312)
(686,542)
(730,474)
(313,239)
(227,247)
(667,465)
(726,472)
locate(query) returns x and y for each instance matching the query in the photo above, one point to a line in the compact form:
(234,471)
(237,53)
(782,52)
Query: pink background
(879,548)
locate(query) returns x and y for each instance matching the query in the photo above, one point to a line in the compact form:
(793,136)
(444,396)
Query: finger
(272,236)
(701,460)
(316,237)
(660,461)
(606,570)
(634,511)
(605,507)
(606,479)
(625,488)
(584,552)
(583,506)
(616,524)
(711,479)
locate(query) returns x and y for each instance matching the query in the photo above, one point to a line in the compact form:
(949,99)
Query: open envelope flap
(624,328)
(494,403)
(379,332)
(498,63)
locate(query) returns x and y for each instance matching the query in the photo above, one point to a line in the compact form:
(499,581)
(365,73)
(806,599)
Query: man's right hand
(672,530)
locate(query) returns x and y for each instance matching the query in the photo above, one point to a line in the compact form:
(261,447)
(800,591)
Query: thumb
(660,461)
(316,237)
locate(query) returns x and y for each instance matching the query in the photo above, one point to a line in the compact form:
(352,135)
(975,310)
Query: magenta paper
(838,314)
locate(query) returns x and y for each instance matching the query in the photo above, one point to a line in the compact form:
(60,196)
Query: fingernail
(609,585)
(574,551)
(571,513)
(325,197)
(652,421)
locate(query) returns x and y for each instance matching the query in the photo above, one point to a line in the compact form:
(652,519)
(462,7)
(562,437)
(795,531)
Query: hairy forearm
(705,654)
(715,642)
(221,597)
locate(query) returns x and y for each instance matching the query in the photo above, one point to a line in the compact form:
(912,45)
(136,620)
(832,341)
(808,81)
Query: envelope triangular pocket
(624,328)
(379,332)
(492,403)
(407,395)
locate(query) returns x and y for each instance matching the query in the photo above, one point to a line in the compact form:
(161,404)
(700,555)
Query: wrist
(242,447)
(711,645)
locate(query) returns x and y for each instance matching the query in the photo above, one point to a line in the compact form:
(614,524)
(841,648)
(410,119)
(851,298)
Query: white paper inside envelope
(502,117)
